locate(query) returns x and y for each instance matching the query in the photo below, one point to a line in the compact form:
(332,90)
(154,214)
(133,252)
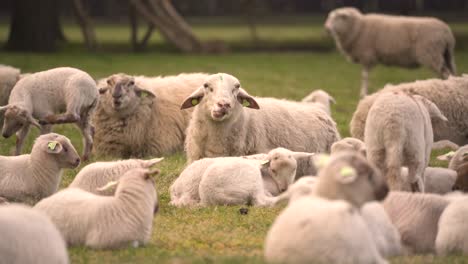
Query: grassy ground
(220,234)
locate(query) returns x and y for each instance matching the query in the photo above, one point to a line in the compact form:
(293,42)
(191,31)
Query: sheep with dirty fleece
(370,39)
(449,96)
(139,116)
(227,121)
(29,236)
(56,96)
(321,99)
(399,133)
(31,177)
(103,222)
(9,76)
(452,229)
(98,174)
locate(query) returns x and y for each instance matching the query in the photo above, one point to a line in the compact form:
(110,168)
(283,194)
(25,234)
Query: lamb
(321,99)
(42,96)
(31,177)
(97,174)
(416,215)
(436,180)
(399,132)
(370,39)
(103,222)
(9,76)
(448,95)
(304,186)
(227,121)
(451,237)
(349,144)
(29,236)
(462,178)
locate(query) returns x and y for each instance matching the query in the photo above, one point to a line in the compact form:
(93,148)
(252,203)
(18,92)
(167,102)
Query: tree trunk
(86,25)
(34,26)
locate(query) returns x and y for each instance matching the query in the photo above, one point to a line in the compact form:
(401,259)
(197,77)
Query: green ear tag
(347,171)
(52,144)
(245,103)
(144,94)
(194,101)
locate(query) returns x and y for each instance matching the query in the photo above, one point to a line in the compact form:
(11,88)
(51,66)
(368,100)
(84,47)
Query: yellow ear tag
(144,94)
(263,162)
(245,103)
(194,101)
(347,171)
(52,144)
(451,153)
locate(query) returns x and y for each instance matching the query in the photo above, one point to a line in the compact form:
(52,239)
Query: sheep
(370,39)
(321,99)
(42,96)
(9,76)
(227,121)
(31,177)
(455,158)
(452,229)
(462,178)
(416,215)
(349,144)
(448,95)
(103,222)
(399,132)
(304,186)
(139,116)
(29,236)
(436,180)
(97,174)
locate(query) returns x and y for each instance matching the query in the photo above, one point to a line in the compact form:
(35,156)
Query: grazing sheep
(436,180)
(9,76)
(448,95)
(349,144)
(56,96)
(139,116)
(103,222)
(457,158)
(416,215)
(227,121)
(451,237)
(31,177)
(30,237)
(399,133)
(370,39)
(97,174)
(321,99)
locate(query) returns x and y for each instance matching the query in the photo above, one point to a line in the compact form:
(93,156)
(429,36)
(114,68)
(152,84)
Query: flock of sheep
(246,150)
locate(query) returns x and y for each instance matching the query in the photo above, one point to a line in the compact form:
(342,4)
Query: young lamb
(29,236)
(436,180)
(42,96)
(451,237)
(446,94)
(227,121)
(370,39)
(103,222)
(416,215)
(321,99)
(349,144)
(139,116)
(399,133)
(31,177)
(97,174)
(9,76)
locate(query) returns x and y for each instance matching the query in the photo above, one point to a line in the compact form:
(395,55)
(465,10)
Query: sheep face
(282,167)
(58,148)
(220,97)
(341,20)
(15,118)
(122,95)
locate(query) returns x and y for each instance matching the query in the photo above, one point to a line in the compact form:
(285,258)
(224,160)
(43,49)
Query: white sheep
(349,144)
(321,99)
(29,236)
(436,180)
(446,94)
(227,121)
(451,235)
(31,177)
(56,96)
(370,39)
(304,186)
(9,76)
(103,222)
(97,174)
(139,116)
(399,133)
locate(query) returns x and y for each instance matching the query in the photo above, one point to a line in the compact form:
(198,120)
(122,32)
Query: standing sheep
(29,237)
(56,96)
(140,116)
(103,222)
(29,178)
(321,99)
(398,133)
(371,39)
(227,121)
(9,76)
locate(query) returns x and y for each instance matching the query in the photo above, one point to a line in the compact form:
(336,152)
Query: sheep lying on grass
(29,236)
(451,235)
(103,222)
(227,121)
(436,180)
(31,177)
(56,96)
(321,99)
(370,39)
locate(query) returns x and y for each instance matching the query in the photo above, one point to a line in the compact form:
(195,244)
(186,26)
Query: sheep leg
(20,137)
(393,169)
(364,81)
(416,178)
(87,130)
(60,119)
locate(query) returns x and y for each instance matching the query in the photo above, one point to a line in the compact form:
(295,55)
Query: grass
(220,234)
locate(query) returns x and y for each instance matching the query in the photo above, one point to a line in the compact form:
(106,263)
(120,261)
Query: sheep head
(342,20)
(15,118)
(58,148)
(220,97)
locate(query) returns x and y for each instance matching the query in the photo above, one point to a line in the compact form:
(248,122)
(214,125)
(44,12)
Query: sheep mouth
(117,104)
(219,114)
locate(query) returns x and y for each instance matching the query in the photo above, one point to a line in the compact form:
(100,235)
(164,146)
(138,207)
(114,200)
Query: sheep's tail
(449,60)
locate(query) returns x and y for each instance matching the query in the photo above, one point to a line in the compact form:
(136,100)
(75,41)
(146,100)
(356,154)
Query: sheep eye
(274,171)
(237,86)
(205,85)
(211,89)
(275,158)
(65,149)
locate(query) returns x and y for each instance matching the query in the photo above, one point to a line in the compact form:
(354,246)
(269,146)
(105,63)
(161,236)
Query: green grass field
(221,234)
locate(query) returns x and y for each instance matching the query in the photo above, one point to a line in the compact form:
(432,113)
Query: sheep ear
(321,160)
(109,185)
(331,99)
(103,90)
(264,163)
(152,162)
(193,99)
(111,80)
(151,173)
(246,100)
(363,151)
(346,175)
(434,111)
(54,147)
(447,156)
(33,121)
(144,93)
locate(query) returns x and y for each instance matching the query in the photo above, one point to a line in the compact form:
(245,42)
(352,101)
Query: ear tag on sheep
(245,103)
(263,162)
(52,145)
(144,94)
(347,171)
(194,101)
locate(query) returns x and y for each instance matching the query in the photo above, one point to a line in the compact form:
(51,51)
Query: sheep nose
(77,162)
(224,105)
(116,95)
